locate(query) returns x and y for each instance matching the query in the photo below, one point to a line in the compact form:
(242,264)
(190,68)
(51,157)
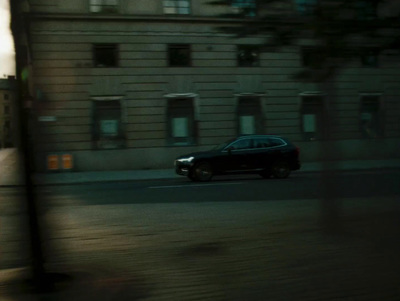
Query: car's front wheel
(202,171)
(191,176)
(281,170)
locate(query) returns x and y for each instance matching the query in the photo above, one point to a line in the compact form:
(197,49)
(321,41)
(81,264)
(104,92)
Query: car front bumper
(182,168)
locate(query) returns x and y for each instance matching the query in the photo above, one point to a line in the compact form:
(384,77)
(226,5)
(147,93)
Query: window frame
(99,139)
(245,8)
(104,8)
(177,7)
(314,107)
(181,107)
(250,106)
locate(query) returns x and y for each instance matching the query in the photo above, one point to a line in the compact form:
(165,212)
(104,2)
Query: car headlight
(186,159)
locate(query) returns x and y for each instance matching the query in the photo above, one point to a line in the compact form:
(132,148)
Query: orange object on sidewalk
(52,162)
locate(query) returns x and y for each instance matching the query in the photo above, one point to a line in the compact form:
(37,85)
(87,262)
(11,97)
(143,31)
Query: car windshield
(224,144)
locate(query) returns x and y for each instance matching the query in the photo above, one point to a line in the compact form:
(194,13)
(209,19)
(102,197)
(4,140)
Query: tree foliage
(332,33)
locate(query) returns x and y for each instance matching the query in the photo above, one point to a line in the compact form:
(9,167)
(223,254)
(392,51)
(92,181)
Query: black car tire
(281,170)
(266,174)
(191,176)
(203,171)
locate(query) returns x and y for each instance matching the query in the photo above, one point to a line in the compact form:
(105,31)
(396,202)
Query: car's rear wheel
(281,170)
(203,171)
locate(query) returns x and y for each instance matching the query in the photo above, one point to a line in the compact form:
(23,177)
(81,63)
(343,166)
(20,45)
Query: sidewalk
(10,172)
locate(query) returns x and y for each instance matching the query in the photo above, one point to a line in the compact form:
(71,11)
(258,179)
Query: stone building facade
(122,84)
(7,112)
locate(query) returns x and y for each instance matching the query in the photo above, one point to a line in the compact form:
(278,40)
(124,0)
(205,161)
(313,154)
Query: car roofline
(260,135)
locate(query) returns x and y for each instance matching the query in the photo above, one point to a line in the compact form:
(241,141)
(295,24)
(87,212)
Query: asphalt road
(347,184)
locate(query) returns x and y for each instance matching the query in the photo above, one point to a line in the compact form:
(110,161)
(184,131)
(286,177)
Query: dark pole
(23,96)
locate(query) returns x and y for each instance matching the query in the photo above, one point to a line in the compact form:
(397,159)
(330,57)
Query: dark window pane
(179,55)
(366,9)
(275,142)
(312,57)
(370,58)
(241,144)
(262,143)
(248,56)
(312,112)
(370,117)
(105,55)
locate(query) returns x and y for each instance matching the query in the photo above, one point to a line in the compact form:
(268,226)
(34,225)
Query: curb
(43,182)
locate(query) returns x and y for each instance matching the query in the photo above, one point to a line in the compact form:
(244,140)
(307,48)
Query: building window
(108,131)
(181,121)
(6,110)
(250,119)
(246,8)
(370,117)
(105,55)
(6,97)
(177,7)
(248,56)
(312,57)
(366,9)
(370,58)
(306,7)
(179,55)
(312,118)
(103,6)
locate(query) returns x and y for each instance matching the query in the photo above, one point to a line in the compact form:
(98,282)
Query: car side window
(275,142)
(267,142)
(241,144)
(261,143)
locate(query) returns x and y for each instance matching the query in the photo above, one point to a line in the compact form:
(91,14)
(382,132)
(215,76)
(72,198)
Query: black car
(267,155)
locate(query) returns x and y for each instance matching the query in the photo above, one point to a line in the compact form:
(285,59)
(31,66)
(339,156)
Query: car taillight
(298,150)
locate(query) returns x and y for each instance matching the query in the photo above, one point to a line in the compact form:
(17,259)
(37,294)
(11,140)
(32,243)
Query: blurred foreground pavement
(211,251)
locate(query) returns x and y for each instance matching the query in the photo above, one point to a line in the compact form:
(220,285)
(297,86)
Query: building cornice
(148,18)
